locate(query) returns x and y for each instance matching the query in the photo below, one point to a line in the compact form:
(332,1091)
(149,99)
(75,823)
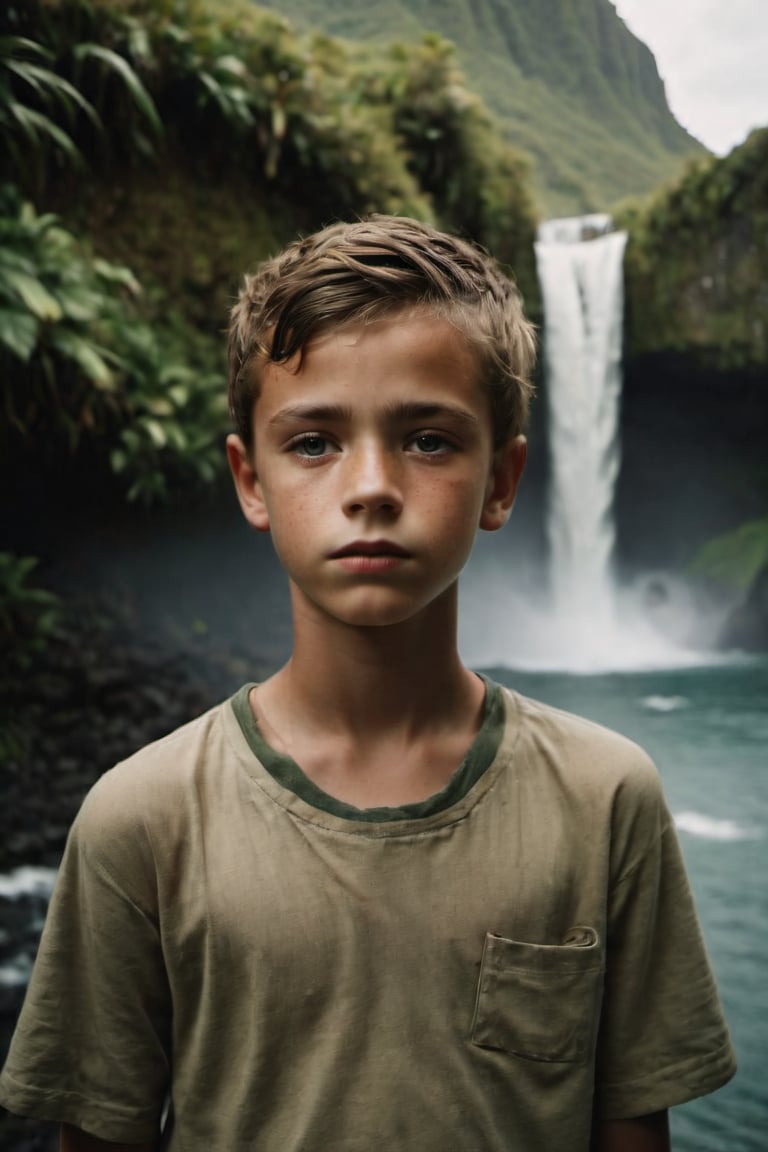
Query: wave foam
(17,973)
(711,828)
(29,880)
(664,703)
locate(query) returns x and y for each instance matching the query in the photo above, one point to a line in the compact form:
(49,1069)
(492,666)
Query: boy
(376,902)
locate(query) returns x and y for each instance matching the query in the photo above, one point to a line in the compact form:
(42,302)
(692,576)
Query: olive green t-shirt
(291,973)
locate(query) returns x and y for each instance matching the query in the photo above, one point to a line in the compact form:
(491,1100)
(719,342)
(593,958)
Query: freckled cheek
(294,507)
(298,523)
(451,511)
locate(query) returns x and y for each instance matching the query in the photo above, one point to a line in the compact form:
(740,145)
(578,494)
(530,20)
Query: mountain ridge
(569,83)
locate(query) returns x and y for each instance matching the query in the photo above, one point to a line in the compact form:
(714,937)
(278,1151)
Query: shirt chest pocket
(540,1002)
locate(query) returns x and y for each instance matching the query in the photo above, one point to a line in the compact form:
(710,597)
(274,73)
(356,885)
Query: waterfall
(579,619)
(580,268)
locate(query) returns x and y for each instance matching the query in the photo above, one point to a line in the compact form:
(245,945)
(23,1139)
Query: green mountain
(571,85)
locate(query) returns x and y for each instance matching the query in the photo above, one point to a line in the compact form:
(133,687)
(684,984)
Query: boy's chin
(376,609)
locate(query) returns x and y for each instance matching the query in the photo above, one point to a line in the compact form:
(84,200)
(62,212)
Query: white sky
(713,58)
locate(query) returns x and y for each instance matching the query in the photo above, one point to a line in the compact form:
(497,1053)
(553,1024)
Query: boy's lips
(370,557)
(369,548)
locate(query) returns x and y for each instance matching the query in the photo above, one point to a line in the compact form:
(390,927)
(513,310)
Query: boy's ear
(508,465)
(247,484)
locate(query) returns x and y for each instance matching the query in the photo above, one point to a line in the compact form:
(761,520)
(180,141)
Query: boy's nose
(371,481)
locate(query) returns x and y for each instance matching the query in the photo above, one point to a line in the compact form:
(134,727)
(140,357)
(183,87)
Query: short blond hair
(358,272)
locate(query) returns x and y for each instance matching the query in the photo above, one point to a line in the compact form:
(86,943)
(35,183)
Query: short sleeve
(92,1045)
(663,1038)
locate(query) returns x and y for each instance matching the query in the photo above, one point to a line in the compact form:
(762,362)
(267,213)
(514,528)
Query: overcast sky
(713,58)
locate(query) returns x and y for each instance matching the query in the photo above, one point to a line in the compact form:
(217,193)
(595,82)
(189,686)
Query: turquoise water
(707,729)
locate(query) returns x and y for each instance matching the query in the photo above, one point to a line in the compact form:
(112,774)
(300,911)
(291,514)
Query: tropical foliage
(76,357)
(149,146)
(79,360)
(29,90)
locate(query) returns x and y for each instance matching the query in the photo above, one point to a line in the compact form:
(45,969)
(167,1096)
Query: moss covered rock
(697,263)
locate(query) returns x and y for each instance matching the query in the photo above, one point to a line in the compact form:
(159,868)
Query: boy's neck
(375,716)
(375,678)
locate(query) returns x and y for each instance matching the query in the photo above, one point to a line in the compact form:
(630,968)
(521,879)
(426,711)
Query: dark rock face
(693,456)
(694,467)
(99,697)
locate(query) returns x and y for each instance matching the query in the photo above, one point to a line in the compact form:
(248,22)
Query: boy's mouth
(369,548)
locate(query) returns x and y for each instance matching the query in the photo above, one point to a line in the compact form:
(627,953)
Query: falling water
(580,268)
(579,619)
(575,616)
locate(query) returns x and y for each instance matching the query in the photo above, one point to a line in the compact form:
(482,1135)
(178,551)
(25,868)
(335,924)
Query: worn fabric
(294,974)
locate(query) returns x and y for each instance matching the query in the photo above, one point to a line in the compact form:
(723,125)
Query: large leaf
(232,65)
(48,84)
(122,68)
(11,259)
(11,46)
(35,125)
(156,431)
(34,294)
(159,406)
(18,333)
(87,356)
(117,274)
(79,303)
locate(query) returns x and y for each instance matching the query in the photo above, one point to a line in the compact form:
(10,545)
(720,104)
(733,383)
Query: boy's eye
(311,445)
(430,443)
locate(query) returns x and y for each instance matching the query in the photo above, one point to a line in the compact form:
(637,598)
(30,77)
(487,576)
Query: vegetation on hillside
(150,151)
(569,82)
(80,362)
(696,261)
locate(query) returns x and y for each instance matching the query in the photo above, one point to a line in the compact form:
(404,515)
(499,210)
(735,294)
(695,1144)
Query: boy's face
(373,468)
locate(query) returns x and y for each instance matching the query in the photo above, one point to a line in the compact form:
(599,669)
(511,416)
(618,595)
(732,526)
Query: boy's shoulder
(151,815)
(166,760)
(157,786)
(581,774)
(587,747)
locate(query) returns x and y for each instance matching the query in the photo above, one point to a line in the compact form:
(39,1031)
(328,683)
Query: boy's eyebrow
(424,410)
(309,412)
(407,410)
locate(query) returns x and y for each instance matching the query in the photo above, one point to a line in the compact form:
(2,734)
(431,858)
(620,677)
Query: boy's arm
(75,1140)
(92,1045)
(642,1134)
